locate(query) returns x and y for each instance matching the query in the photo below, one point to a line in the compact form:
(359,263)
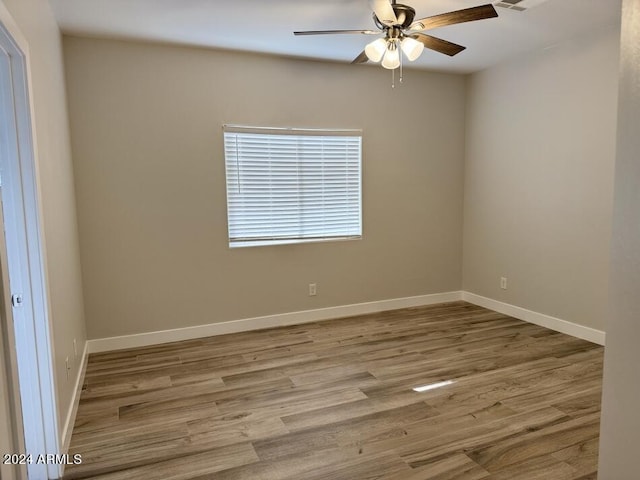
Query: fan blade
(362,58)
(336,32)
(452,18)
(437,44)
(384,11)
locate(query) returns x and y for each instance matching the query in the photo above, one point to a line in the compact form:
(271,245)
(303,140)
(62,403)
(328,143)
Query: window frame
(300,133)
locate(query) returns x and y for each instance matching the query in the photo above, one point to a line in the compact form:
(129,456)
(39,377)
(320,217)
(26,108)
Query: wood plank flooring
(335,400)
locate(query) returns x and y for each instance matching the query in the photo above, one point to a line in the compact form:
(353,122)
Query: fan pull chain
(400,67)
(393,78)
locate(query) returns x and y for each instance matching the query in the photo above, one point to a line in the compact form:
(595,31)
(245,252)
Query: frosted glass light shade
(375,50)
(391,58)
(412,48)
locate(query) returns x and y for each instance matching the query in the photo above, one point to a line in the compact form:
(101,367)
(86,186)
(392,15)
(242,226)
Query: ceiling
(267,25)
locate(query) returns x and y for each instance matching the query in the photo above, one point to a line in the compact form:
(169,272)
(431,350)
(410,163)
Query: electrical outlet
(313,290)
(66,363)
(75,349)
(503,283)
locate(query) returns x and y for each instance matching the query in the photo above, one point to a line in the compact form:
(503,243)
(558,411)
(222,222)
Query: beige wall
(620,432)
(37,24)
(147,141)
(539,178)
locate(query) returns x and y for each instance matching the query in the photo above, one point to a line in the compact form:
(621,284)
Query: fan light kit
(401,34)
(386,49)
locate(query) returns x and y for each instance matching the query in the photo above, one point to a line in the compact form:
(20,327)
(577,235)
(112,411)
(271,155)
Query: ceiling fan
(401,32)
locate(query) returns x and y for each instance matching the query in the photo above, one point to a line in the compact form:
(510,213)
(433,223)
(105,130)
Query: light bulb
(391,58)
(375,50)
(412,48)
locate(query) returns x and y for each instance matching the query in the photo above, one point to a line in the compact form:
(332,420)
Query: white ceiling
(267,26)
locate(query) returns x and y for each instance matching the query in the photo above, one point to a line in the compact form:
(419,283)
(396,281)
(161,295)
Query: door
(28,313)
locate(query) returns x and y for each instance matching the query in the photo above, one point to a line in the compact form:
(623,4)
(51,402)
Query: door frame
(33,347)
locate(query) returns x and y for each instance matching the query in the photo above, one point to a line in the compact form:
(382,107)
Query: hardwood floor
(335,400)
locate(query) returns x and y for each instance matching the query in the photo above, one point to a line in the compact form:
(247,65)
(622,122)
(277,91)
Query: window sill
(291,241)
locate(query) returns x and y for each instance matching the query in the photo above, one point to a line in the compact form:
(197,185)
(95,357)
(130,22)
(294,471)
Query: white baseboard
(269,321)
(553,323)
(73,408)
(306,316)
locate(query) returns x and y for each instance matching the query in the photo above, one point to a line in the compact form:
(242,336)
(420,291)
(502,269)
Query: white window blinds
(288,185)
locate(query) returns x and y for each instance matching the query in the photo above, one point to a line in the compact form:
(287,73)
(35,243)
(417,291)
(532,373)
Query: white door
(30,323)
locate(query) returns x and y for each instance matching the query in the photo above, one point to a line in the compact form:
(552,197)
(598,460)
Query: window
(291,186)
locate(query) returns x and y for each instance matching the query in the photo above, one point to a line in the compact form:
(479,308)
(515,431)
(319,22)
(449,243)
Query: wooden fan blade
(459,16)
(384,11)
(362,58)
(439,45)
(336,32)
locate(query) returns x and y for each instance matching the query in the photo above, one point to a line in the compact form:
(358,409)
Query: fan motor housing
(404,13)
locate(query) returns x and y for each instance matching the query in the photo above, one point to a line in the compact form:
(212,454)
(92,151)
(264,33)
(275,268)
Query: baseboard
(553,323)
(269,321)
(306,316)
(73,408)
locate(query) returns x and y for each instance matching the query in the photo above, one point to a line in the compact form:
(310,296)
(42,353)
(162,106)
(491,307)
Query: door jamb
(37,281)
